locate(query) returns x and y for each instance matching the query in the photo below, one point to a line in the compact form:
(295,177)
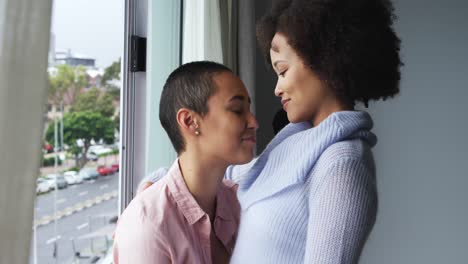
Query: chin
(295,118)
(245,158)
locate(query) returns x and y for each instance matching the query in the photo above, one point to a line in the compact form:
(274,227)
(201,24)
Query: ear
(187,121)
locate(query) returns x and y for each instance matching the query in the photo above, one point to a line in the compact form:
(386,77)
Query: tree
(66,84)
(117,122)
(84,126)
(111,73)
(115,93)
(94,101)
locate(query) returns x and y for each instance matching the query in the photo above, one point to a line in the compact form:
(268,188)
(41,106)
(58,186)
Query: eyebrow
(276,62)
(239,98)
(274,47)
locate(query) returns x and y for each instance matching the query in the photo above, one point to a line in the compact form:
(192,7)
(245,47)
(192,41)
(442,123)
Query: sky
(93,28)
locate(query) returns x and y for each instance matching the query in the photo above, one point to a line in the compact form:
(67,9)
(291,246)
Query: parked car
(115,166)
(72,177)
(69,178)
(92,156)
(48,148)
(42,186)
(105,170)
(57,179)
(99,150)
(89,173)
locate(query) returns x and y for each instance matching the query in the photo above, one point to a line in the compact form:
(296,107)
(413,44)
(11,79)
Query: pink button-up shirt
(164,224)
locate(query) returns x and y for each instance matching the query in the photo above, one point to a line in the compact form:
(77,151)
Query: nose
(252,122)
(278,90)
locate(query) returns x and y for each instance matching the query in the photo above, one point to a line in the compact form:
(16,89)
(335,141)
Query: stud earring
(197,131)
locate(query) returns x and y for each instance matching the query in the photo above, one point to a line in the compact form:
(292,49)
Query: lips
(285,102)
(249,139)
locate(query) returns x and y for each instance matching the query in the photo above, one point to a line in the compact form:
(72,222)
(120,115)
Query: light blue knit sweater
(310,197)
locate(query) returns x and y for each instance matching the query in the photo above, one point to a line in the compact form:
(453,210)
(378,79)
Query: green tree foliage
(94,101)
(111,73)
(66,84)
(83,126)
(115,93)
(117,121)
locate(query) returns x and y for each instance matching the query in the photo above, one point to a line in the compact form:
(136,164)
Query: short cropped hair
(189,86)
(350,44)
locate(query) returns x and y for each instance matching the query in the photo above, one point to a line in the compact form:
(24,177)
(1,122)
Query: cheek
(226,131)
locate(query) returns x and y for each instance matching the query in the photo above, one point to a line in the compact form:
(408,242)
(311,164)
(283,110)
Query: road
(81,210)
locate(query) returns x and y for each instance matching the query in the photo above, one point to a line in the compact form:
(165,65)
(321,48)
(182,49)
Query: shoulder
(148,210)
(346,152)
(349,161)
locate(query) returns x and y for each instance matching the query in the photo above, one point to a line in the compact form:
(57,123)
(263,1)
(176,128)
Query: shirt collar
(187,203)
(182,196)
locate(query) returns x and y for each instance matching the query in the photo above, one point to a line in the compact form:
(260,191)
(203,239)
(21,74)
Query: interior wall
(422,141)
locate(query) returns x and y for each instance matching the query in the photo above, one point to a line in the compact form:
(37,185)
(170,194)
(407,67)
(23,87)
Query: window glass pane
(77,184)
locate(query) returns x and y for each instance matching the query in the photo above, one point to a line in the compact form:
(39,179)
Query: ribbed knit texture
(310,197)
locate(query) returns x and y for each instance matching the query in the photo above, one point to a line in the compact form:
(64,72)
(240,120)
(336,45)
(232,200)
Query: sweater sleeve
(342,212)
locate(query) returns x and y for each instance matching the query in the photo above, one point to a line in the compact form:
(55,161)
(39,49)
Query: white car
(58,179)
(42,186)
(99,150)
(72,177)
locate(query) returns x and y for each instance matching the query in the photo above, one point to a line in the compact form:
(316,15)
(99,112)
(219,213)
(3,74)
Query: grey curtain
(238,40)
(246,45)
(24,44)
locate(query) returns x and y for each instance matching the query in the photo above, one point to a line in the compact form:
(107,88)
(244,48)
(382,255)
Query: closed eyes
(282,73)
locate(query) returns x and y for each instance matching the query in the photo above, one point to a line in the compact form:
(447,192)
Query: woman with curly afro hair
(311,196)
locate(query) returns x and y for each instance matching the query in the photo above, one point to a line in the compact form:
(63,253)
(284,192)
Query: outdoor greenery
(111,73)
(113,152)
(95,101)
(66,84)
(89,114)
(50,161)
(83,126)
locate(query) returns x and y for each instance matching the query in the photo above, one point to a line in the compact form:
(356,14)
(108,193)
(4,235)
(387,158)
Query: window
(78,182)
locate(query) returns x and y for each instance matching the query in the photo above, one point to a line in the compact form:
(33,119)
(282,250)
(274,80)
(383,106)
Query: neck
(203,179)
(329,108)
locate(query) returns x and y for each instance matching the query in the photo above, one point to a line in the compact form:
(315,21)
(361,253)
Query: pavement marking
(74,187)
(103,186)
(61,200)
(83,193)
(52,240)
(92,181)
(45,220)
(82,226)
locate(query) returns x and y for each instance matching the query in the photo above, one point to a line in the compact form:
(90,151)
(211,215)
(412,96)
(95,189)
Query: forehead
(280,45)
(228,85)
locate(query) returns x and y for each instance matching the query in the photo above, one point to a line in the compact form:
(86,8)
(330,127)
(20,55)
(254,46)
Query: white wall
(422,146)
